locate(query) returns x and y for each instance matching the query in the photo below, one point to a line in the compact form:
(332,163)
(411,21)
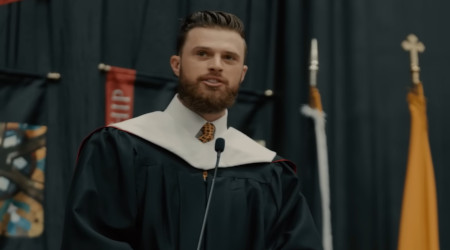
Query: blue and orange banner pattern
(22,179)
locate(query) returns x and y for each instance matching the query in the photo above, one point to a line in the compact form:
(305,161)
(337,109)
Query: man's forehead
(214,36)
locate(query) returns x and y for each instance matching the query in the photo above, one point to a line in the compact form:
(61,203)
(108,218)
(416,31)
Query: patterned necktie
(207,132)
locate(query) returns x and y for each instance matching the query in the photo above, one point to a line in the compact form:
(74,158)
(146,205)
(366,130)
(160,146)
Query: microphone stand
(219,147)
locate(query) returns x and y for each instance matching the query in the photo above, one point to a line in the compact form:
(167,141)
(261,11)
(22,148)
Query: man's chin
(202,98)
(210,104)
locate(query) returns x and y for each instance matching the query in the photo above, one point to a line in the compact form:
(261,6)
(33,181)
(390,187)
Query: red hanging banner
(2,2)
(119,94)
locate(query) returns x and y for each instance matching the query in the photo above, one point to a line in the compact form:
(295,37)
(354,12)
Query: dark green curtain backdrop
(363,79)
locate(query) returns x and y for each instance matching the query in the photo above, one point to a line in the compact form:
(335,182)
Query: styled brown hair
(209,19)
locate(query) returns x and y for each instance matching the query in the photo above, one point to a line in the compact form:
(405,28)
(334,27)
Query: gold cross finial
(414,46)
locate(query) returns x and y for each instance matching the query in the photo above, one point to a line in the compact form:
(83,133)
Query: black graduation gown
(128,193)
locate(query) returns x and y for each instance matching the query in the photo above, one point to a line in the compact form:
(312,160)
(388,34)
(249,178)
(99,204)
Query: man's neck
(210,117)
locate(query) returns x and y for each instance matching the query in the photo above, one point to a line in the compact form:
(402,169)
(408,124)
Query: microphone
(219,147)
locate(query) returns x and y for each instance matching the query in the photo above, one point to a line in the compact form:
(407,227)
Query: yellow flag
(419,216)
(314,98)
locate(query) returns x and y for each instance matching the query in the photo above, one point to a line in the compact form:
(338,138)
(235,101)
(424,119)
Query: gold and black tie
(207,132)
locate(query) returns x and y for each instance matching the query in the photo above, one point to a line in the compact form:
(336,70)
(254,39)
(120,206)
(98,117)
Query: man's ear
(175,64)
(244,72)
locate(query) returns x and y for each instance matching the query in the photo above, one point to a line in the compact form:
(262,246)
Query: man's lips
(213,81)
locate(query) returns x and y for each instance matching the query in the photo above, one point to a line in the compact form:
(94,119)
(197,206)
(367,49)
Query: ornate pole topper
(414,46)
(313,63)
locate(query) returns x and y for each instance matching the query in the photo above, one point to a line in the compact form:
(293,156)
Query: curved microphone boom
(219,147)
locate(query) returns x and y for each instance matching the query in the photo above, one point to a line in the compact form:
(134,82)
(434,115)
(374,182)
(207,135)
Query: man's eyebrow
(227,52)
(209,48)
(202,47)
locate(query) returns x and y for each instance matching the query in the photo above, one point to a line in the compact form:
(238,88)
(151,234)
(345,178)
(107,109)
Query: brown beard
(203,99)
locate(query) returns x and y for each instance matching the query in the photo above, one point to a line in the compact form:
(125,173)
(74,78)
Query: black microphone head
(220,145)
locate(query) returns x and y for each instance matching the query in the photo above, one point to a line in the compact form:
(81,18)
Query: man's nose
(215,63)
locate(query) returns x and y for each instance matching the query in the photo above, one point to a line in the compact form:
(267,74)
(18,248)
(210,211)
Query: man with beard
(144,183)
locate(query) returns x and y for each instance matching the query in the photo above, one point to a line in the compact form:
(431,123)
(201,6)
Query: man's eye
(230,58)
(202,53)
